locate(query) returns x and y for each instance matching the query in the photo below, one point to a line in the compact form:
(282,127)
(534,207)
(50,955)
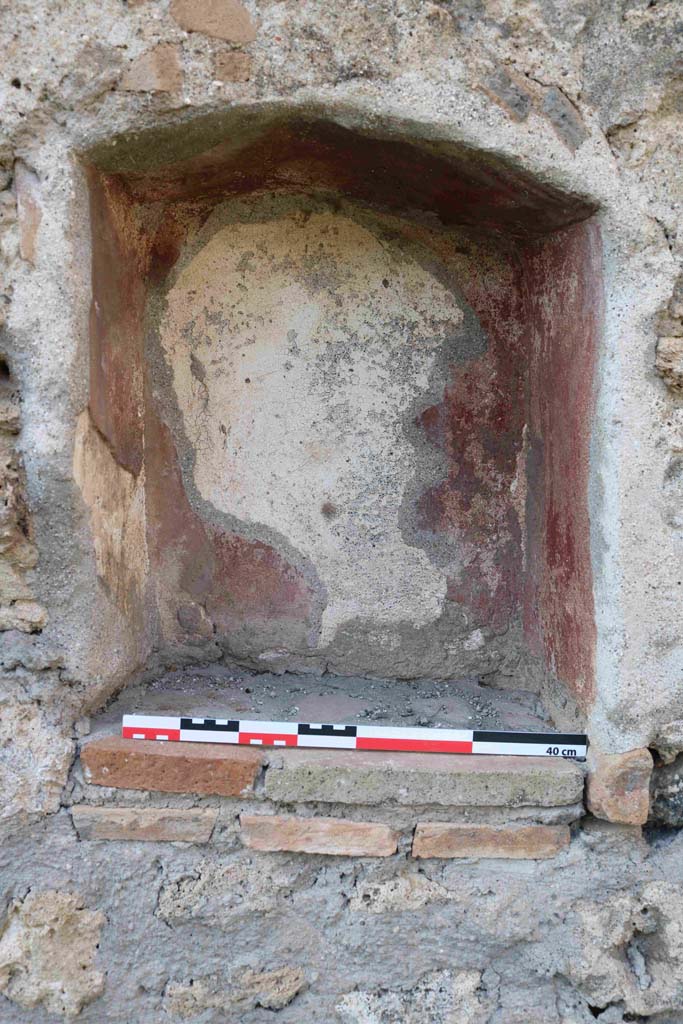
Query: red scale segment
(425,746)
(137,732)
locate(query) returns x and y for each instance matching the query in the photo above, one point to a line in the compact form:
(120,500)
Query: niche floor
(224,690)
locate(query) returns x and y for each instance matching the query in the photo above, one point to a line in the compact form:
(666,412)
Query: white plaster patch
(298,345)
(474,641)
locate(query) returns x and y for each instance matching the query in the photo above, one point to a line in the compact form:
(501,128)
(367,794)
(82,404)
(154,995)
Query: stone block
(511,842)
(170,767)
(630,949)
(669,739)
(397,893)
(144,824)
(157,70)
(268,990)
(453,780)
(26,616)
(10,412)
(194,620)
(667,794)
(272,990)
(669,361)
(35,757)
(48,953)
(436,997)
(619,786)
(222,19)
(333,836)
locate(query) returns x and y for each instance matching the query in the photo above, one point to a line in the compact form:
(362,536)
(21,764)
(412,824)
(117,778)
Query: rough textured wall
(583,96)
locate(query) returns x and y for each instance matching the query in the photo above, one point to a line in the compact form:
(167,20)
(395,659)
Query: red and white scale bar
(352,737)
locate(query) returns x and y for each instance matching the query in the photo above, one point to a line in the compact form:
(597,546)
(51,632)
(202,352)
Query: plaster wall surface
(307,353)
(314,340)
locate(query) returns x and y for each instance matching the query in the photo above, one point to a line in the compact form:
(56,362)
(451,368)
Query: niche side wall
(564,299)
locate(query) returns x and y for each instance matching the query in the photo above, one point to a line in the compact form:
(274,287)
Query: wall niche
(341,396)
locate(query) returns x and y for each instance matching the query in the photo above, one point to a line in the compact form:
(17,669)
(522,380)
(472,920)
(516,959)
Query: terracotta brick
(509,92)
(333,836)
(619,786)
(511,842)
(232,67)
(29,210)
(170,767)
(158,70)
(144,824)
(222,19)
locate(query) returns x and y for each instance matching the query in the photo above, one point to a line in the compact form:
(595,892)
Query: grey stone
(453,780)
(564,118)
(666,794)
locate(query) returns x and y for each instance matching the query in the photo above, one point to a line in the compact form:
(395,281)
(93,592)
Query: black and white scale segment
(352,737)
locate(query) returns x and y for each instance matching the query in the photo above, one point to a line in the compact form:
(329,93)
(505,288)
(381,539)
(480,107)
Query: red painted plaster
(240,582)
(479,425)
(563,283)
(116,316)
(456,183)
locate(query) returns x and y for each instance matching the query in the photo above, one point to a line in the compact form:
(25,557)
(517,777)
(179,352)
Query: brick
(232,67)
(508,92)
(157,70)
(564,117)
(333,836)
(222,19)
(618,787)
(511,842)
(144,824)
(170,767)
(355,777)
(29,211)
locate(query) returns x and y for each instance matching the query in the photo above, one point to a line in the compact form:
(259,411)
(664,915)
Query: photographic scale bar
(352,737)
